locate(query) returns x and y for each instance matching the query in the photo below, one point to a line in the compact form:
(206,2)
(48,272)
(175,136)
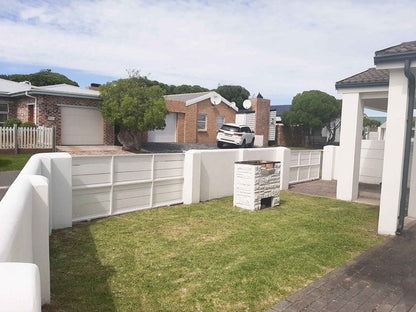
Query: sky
(277,48)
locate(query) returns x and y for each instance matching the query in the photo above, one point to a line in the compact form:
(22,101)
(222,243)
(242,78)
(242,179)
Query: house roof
(280,109)
(11,89)
(405,50)
(193,98)
(369,78)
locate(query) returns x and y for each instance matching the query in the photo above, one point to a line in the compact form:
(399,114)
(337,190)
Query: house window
(202,122)
(4,112)
(220,121)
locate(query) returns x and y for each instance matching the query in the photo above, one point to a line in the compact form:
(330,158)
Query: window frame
(5,112)
(223,121)
(205,122)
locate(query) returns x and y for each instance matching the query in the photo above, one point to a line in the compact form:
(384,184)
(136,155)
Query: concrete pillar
(393,152)
(412,196)
(350,147)
(192,177)
(283,154)
(328,162)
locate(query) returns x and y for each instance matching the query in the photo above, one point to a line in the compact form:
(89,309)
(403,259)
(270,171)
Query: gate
(109,185)
(305,166)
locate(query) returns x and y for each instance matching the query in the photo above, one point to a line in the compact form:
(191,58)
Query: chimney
(262,108)
(94,86)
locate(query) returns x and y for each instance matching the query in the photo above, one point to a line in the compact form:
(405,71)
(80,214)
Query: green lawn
(13,162)
(205,257)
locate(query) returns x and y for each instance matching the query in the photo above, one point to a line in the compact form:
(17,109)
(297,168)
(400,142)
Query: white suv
(238,135)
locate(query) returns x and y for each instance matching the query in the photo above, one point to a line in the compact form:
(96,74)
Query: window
(202,122)
(4,112)
(220,121)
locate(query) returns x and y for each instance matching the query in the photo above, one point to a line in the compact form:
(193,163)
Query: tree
(235,94)
(314,110)
(42,78)
(370,123)
(134,107)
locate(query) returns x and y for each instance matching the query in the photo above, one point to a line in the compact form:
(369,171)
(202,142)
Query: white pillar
(283,154)
(328,162)
(393,152)
(348,154)
(192,177)
(412,196)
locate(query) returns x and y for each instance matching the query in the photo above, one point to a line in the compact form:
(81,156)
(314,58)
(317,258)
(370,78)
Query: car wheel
(243,145)
(220,144)
(251,144)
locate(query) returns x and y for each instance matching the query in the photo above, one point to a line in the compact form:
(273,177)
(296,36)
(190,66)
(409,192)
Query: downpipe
(405,175)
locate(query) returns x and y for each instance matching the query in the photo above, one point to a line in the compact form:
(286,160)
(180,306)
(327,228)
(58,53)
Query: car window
(230,128)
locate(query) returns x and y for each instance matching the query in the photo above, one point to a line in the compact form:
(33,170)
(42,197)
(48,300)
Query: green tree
(314,110)
(187,89)
(235,94)
(133,106)
(42,78)
(370,123)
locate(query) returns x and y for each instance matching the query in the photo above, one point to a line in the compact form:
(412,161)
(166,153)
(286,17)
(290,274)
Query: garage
(166,135)
(81,126)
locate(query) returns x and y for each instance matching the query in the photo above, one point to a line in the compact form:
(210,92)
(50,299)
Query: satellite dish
(215,99)
(247,104)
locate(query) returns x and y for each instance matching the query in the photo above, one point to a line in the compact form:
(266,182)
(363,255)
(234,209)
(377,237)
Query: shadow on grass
(75,263)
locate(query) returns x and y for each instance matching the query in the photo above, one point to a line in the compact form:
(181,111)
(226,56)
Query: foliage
(235,94)
(370,123)
(28,124)
(11,122)
(13,162)
(41,78)
(209,256)
(314,110)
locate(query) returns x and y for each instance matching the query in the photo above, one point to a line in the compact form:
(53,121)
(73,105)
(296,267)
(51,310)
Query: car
(237,135)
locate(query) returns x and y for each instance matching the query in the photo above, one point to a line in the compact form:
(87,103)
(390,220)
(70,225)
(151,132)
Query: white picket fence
(40,137)
(109,185)
(305,166)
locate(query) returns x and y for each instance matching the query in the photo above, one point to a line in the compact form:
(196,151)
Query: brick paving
(381,279)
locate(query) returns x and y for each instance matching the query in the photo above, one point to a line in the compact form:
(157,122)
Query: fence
(110,185)
(26,138)
(305,166)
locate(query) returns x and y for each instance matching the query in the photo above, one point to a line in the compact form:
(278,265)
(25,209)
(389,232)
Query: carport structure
(390,87)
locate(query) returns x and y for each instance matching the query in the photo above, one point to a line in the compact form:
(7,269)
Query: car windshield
(230,128)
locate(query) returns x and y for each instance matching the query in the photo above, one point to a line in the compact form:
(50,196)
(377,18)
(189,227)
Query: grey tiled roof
(185,96)
(370,77)
(405,47)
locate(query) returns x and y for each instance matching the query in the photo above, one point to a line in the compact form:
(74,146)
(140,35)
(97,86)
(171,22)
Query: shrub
(11,122)
(28,124)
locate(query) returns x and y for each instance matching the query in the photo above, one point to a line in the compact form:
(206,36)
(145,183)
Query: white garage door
(166,135)
(81,126)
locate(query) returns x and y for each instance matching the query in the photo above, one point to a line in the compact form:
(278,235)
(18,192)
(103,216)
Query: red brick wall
(186,122)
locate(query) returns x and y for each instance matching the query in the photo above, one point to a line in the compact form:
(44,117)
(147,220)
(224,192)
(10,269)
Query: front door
(31,113)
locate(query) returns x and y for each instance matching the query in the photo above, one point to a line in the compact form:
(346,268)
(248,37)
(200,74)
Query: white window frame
(4,112)
(219,125)
(198,122)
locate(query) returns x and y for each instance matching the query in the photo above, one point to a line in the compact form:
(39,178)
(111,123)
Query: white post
(350,146)
(283,153)
(40,232)
(393,153)
(328,162)
(412,196)
(192,177)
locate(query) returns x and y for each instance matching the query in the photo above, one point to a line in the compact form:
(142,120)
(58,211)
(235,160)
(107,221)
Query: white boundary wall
(371,162)
(209,174)
(35,202)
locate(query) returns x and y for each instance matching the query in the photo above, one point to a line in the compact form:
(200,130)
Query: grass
(13,162)
(205,257)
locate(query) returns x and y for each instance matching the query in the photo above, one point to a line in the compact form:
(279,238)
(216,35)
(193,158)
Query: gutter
(405,175)
(36,106)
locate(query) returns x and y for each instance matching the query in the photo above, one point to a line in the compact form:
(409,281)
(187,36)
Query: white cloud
(276,47)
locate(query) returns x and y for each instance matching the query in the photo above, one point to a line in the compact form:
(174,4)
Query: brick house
(194,118)
(73,111)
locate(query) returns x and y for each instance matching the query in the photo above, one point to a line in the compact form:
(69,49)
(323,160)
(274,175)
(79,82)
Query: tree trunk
(131,139)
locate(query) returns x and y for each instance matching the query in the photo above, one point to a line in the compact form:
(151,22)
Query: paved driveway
(176,147)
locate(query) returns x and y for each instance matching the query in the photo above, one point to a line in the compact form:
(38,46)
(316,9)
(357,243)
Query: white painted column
(348,154)
(393,152)
(328,162)
(412,196)
(192,177)
(283,154)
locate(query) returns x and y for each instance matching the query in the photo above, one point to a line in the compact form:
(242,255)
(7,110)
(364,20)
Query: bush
(11,122)
(28,124)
